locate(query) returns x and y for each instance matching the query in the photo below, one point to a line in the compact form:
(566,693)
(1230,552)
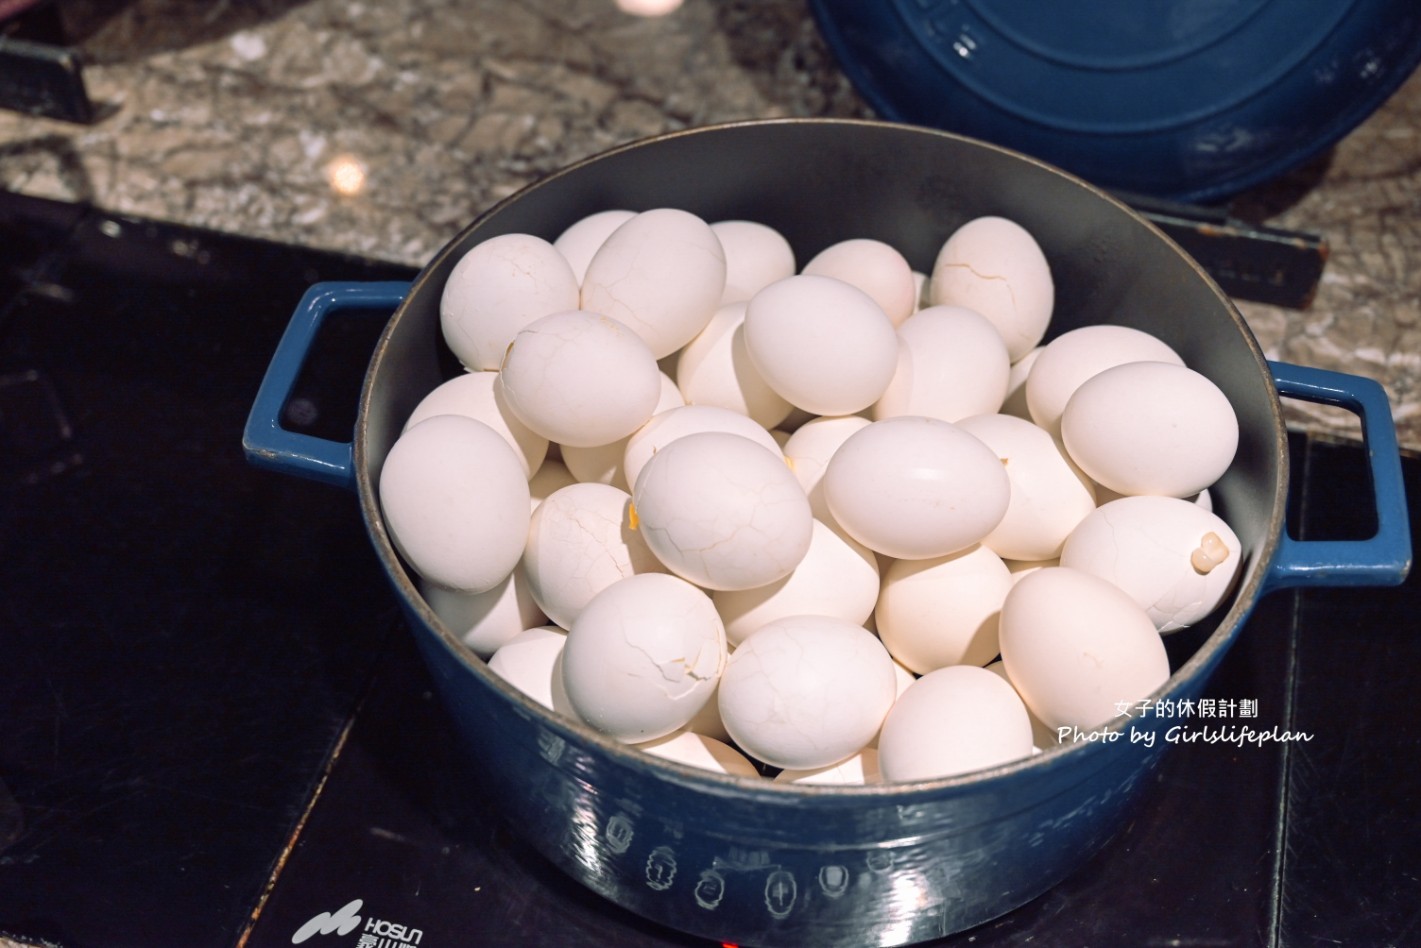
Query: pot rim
(1252,584)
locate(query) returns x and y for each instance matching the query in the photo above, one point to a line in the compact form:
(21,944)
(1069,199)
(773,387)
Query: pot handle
(1385,558)
(265,442)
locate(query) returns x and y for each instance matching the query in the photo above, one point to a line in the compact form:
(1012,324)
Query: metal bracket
(39,73)
(1249,262)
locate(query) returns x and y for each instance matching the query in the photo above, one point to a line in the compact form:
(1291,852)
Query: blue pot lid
(1185,99)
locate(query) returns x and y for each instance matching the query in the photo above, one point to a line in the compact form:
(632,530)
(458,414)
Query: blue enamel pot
(748,861)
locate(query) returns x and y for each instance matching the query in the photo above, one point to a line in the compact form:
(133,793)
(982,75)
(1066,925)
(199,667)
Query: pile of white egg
(845,521)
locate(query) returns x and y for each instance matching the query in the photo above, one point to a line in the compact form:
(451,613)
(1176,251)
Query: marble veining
(382,128)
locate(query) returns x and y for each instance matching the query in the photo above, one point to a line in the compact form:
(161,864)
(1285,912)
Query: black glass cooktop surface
(214,730)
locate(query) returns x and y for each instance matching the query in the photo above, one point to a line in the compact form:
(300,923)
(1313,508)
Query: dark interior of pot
(819,182)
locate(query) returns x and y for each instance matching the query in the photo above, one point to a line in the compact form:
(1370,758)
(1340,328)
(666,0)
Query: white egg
(714,369)
(580,541)
(1049,495)
(825,346)
(531,661)
(953,721)
(943,611)
(662,274)
(1041,735)
(952,363)
(837,577)
(855,771)
(756,255)
(581,241)
(478,395)
(698,750)
(808,451)
(722,511)
(485,621)
(1020,568)
(1079,650)
(602,463)
(994,266)
(902,677)
(1015,402)
(552,476)
(456,502)
(580,378)
(798,417)
(1151,428)
(873,266)
(915,488)
(806,691)
(499,286)
(1177,560)
(664,428)
(707,721)
(644,657)
(1071,358)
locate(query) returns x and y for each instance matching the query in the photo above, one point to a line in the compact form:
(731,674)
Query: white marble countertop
(251,118)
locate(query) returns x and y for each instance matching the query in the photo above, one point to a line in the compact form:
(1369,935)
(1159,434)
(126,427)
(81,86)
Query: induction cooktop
(215,731)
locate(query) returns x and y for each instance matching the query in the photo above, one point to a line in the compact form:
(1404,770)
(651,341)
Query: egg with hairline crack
(643,657)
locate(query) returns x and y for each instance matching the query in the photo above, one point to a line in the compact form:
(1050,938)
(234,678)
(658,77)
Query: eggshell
(1015,402)
(714,369)
(855,771)
(1151,428)
(666,427)
(479,396)
(873,266)
(808,451)
(643,657)
(837,577)
(1072,357)
(916,488)
(580,378)
(581,241)
(485,621)
(825,346)
(806,691)
(952,363)
(498,287)
(1049,494)
(1177,560)
(1042,736)
(580,541)
(902,677)
(722,511)
(661,273)
(1079,650)
(994,266)
(456,502)
(531,661)
(953,721)
(1020,568)
(1104,495)
(707,720)
(756,255)
(602,463)
(551,476)
(698,750)
(943,611)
